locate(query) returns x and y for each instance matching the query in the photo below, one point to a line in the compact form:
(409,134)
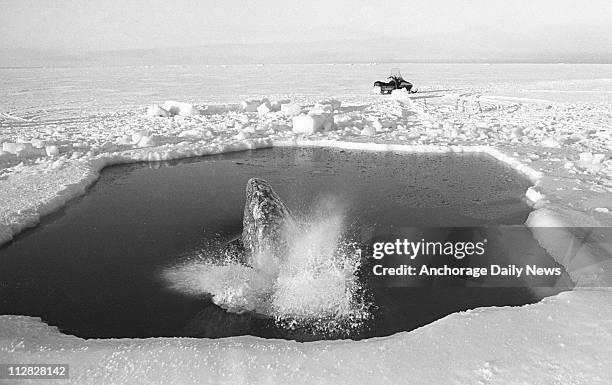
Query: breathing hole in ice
(145,253)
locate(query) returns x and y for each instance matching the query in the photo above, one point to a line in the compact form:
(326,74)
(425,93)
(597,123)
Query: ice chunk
(320,118)
(277,104)
(51,150)
(263,108)
(376,124)
(591,158)
(37,143)
(291,109)
(550,143)
(590,162)
(146,141)
(180,108)
(124,140)
(303,124)
(22,150)
(309,124)
(533,195)
(252,105)
(243,135)
(137,135)
(12,148)
(155,110)
(368,131)
(401,95)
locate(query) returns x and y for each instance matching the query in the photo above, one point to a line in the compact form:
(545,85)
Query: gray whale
(265,214)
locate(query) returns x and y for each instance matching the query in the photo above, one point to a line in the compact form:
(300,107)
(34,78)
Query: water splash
(312,282)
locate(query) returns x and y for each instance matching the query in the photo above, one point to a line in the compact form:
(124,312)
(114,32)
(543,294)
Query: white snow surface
(561,340)
(563,146)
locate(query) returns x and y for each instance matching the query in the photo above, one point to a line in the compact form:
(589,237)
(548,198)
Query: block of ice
(155,110)
(590,158)
(124,140)
(11,147)
(550,143)
(290,109)
(137,135)
(146,141)
(533,195)
(376,124)
(309,124)
(251,105)
(276,105)
(263,108)
(368,131)
(37,143)
(51,150)
(242,135)
(590,162)
(22,150)
(180,108)
(401,96)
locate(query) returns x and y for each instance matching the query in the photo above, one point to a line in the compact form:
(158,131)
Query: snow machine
(396,82)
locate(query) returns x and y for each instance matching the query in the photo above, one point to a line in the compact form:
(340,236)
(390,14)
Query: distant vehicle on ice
(396,82)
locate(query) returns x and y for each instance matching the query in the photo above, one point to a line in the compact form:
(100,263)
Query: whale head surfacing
(264,216)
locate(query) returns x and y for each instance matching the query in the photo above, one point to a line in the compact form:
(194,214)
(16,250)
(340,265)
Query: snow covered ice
(562,141)
(533,344)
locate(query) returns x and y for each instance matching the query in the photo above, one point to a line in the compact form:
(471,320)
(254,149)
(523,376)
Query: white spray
(315,278)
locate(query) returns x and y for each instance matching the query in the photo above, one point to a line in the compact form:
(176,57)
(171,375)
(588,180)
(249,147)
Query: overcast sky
(83,25)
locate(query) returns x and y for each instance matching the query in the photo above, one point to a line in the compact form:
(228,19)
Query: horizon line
(330,63)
